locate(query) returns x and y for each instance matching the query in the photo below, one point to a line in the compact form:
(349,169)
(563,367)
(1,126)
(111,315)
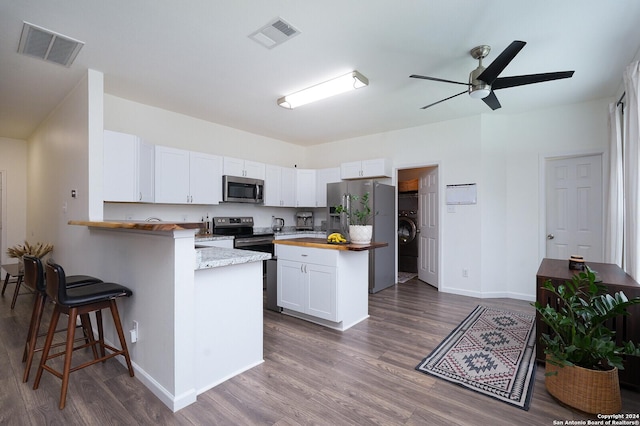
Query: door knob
(550,237)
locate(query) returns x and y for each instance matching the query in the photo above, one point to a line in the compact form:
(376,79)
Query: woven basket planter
(591,391)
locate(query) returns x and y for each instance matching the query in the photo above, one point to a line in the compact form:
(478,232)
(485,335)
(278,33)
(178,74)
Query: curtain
(631,138)
(614,213)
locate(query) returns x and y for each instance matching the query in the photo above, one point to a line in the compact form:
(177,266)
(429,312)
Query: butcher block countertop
(323,244)
(143,225)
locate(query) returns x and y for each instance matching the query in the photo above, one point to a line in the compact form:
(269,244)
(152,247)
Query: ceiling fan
(483,81)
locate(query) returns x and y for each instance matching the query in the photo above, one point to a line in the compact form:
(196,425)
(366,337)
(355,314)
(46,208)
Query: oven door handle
(241,242)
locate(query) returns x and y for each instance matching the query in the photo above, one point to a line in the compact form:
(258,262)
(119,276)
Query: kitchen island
(327,284)
(198,310)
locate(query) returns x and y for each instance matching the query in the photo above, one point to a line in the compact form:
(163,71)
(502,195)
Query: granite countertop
(215,257)
(323,244)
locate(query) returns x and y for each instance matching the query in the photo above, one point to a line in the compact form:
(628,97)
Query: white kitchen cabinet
(305,188)
(128,168)
(185,177)
(279,186)
(307,282)
(365,169)
(323,177)
(205,178)
(243,168)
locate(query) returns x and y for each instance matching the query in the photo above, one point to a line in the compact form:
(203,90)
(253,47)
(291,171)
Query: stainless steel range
(241,228)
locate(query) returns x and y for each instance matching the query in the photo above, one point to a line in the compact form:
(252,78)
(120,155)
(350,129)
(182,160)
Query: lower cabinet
(307,282)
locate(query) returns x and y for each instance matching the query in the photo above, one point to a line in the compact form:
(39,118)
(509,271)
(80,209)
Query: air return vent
(48,45)
(274,33)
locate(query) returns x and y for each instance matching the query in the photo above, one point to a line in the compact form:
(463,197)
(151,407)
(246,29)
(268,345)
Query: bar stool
(79,301)
(34,279)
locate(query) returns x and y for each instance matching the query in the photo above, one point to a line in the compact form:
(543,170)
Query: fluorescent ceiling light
(344,83)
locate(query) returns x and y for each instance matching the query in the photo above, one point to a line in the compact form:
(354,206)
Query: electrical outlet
(465,273)
(134,332)
(184,217)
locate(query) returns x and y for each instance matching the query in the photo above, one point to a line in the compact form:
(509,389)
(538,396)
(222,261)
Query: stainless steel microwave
(237,189)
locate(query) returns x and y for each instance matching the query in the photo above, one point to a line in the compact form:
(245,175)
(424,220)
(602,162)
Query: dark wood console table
(615,279)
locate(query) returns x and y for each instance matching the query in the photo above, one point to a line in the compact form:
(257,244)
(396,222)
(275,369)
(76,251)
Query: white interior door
(574,208)
(428,225)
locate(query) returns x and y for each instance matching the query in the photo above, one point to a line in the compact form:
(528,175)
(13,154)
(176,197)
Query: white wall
(59,162)
(13,164)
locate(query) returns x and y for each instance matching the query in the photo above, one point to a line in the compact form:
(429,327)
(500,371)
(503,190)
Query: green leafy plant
(579,335)
(359,215)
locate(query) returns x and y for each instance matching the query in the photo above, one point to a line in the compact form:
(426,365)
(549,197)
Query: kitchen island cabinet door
(322,286)
(292,288)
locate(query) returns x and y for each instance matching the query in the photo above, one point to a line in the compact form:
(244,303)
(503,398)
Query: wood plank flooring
(311,375)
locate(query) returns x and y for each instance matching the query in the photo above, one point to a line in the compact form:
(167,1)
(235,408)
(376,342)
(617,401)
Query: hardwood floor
(311,375)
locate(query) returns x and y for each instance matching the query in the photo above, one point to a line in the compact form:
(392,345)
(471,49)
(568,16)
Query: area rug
(491,352)
(403,277)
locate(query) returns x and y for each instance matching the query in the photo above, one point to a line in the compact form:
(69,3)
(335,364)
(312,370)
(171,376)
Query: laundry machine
(408,232)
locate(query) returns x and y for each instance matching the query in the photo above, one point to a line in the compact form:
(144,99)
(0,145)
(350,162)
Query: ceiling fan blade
(437,79)
(520,80)
(492,101)
(442,100)
(500,63)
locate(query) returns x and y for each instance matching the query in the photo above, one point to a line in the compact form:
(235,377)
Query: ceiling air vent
(274,33)
(48,45)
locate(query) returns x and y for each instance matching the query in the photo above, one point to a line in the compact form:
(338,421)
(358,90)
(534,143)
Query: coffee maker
(304,221)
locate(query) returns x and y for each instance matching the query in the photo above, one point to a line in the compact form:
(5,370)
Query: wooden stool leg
(100,333)
(47,345)
(71,331)
(123,342)
(16,292)
(32,338)
(88,334)
(6,281)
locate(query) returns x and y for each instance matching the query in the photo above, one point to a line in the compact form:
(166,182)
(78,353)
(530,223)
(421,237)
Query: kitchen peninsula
(324,283)
(198,310)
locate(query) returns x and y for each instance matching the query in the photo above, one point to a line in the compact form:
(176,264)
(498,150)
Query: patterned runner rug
(491,352)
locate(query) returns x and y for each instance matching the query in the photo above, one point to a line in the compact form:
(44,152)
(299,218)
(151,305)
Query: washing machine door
(407,230)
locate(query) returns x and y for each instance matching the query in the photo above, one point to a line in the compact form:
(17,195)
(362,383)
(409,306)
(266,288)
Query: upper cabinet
(185,177)
(128,167)
(279,186)
(365,169)
(243,168)
(305,188)
(323,177)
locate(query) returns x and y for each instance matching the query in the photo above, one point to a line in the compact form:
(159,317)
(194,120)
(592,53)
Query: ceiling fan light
(351,81)
(480,93)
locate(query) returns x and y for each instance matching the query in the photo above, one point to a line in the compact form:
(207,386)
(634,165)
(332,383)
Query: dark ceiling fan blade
(500,63)
(442,100)
(492,101)
(521,80)
(437,79)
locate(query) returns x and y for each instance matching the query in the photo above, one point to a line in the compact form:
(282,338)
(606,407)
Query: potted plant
(582,356)
(38,250)
(358,215)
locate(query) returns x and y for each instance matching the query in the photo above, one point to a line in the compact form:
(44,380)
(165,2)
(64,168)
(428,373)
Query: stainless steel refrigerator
(382,203)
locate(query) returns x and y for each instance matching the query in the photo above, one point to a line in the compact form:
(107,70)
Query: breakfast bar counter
(199,310)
